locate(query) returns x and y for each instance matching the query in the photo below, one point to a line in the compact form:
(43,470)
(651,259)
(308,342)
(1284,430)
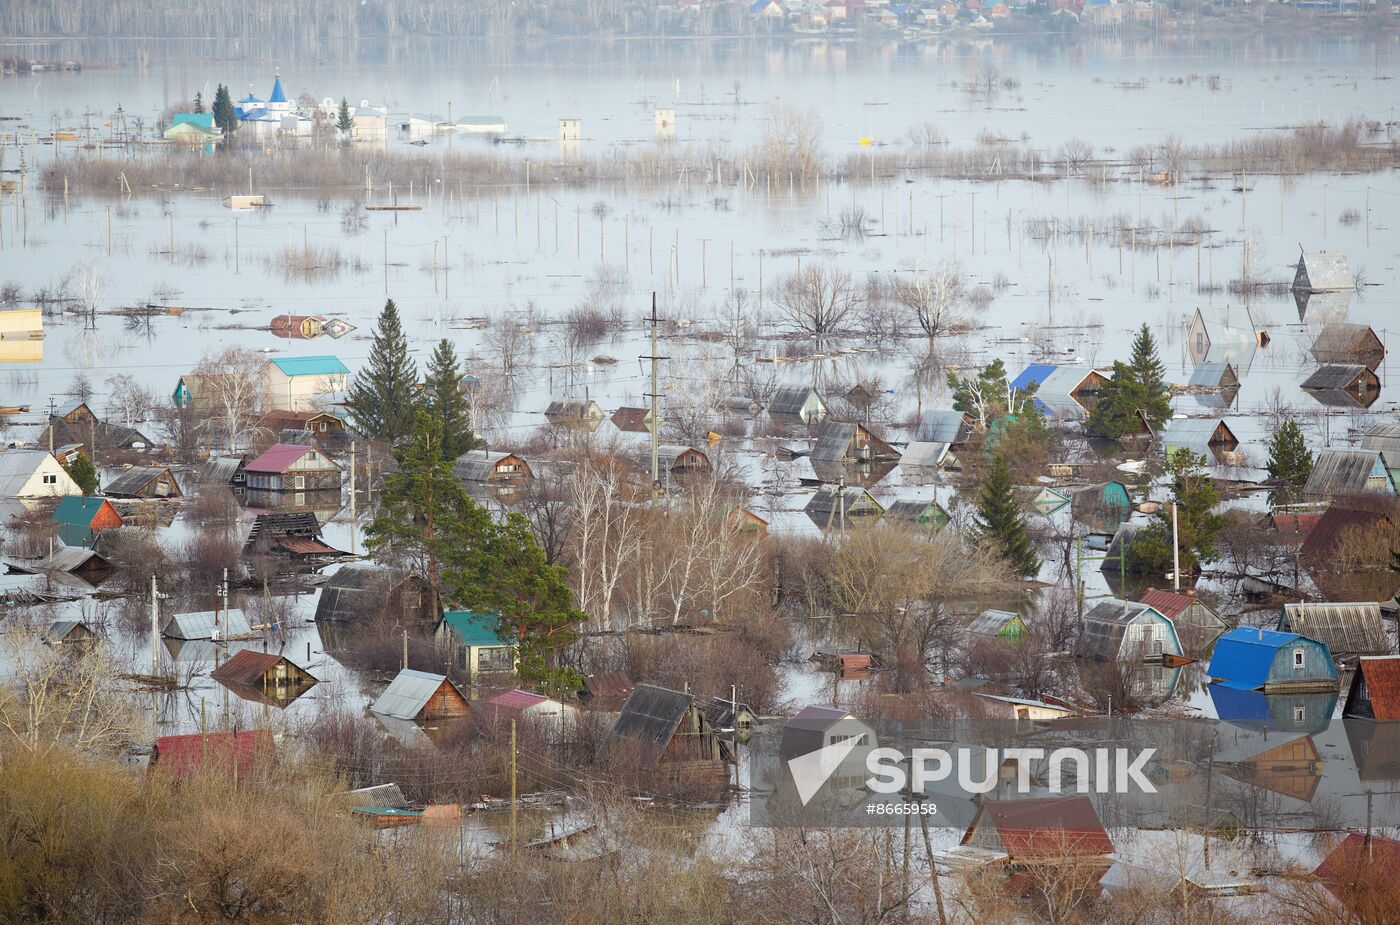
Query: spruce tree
(224,116)
(383,400)
(1290,463)
(198,103)
(1198,524)
(1146,366)
(1000,524)
(444,400)
(345,122)
(1136,392)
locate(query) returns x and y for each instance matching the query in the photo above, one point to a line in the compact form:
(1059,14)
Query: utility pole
(51,426)
(405,650)
(1176,553)
(155,629)
(655,395)
(352,497)
(513,789)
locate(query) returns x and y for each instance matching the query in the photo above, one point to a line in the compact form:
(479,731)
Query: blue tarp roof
(311,366)
(1244,656)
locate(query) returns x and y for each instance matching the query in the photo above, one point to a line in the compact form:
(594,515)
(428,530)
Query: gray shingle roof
(1338,376)
(651,716)
(1386,439)
(991,622)
(201,625)
(1340,342)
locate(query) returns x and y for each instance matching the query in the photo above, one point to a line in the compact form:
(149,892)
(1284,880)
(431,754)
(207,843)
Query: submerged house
(475,642)
(1338,472)
(1344,343)
(34,474)
(1375,689)
(926,515)
(229,623)
(632,420)
(1221,376)
(1346,629)
(265,676)
(1208,437)
(1385,438)
(545,714)
(298,327)
(851,452)
(192,128)
(842,507)
(293,467)
(362,591)
(998,624)
(144,482)
(943,425)
(1062,391)
(238,753)
(668,731)
(675,463)
(799,404)
(1060,829)
(1103,506)
(1185,610)
(1118,630)
(583,415)
(1323,271)
(1223,335)
(1264,660)
(1343,385)
(418,696)
(302,383)
(81,518)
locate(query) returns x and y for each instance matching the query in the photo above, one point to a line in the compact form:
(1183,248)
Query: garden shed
(1249,658)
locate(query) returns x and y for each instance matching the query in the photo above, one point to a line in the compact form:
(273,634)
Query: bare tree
(816,299)
(933,298)
(607,532)
(54,699)
(129,400)
(232,385)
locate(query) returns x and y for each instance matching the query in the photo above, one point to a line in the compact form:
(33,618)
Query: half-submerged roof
(1323,271)
(1375,691)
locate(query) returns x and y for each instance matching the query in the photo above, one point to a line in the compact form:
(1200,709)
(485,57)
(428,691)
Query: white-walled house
(304,383)
(34,474)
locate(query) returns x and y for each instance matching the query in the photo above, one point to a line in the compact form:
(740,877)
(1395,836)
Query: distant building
(273,116)
(583,415)
(193,128)
(837,509)
(301,383)
(1347,385)
(1323,271)
(796,404)
(570,130)
(301,327)
(1339,342)
(1208,437)
(1067,392)
(481,125)
(928,516)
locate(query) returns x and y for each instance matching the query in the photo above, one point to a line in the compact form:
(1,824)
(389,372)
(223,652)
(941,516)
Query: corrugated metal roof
(1323,271)
(474,629)
(202,625)
(278,457)
(1120,547)
(77,509)
(1244,657)
(1386,439)
(1106,624)
(1340,342)
(1322,539)
(651,717)
(408,694)
(1339,471)
(220,470)
(247,666)
(59,629)
(186,755)
(991,622)
(71,559)
(792,400)
(134,481)
(1378,678)
(608,685)
(1346,629)
(1355,858)
(1197,435)
(923,455)
(1032,375)
(943,425)
(1339,376)
(854,505)
(359,590)
(1051,827)
(311,366)
(1321,306)
(1214,376)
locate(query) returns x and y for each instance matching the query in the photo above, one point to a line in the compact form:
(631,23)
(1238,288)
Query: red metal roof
(237,752)
(278,457)
(1295,523)
(1348,859)
(611,684)
(303,546)
(1382,686)
(1167,603)
(512,703)
(1055,827)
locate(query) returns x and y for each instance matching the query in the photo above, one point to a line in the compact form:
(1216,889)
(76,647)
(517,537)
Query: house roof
(921,454)
(1341,471)
(631,420)
(990,622)
(134,480)
(1333,376)
(1342,342)
(277,95)
(1386,438)
(1244,657)
(1197,435)
(909,511)
(792,399)
(71,559)
(78,510)
(474,629)
(942,425)
(1350,858)
(1170,604)
(1381,675)
(247,666)
(358,589)
(1120,546)
(1105,626)
(1346,629)
(1322,539)
(408,694)
(1323,271)
(201,624)
(1055,385)
(279,457)
(830,504)
(16,468)
(185,755)
(651,717)
(512,703)
(1213,375)
(59,629)
(608,685)
(200,120)
(1048,828)
(476,465)
(310,366)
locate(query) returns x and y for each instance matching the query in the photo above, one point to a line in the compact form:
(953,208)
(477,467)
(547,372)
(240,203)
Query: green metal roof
(77,510)
(472,628)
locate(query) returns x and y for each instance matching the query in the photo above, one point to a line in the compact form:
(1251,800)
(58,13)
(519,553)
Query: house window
(1297,658)
(300,482)
(495,658)
(1300,714)
(836,740)
(321,427)
(50,480)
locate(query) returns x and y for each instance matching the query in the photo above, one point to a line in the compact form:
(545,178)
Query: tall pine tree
(344,121)
(224,116)
(199,103)
(383,400)
(445,401)
(1000,525)
(1290,463)
(1136,393)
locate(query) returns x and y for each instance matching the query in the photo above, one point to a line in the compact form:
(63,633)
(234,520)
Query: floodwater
(484,253)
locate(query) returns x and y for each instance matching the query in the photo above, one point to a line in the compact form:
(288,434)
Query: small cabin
(1343,383)
(1060,830)
(292,467)
(236,753)
(81,518)
(230,623)
(1117,630)
(796,404)
(1385,438)
(1344,343)
(1208,437)
(842,443)
(632,420)
(998,624)
(570,129)
(144,482)
(361,592)
(1223,335)
(583,415)
(265,675)
(1339,472)
(482,467)
(928,516)
(1258,659)
(668,731)
(300,383)
(545,715)
(744,520)
(1375,689)
(838,508)
(302,327)
(321,424)
(418,696)
(943,425)
(70,633)
(1222,376)
(1345,629)
(1103,506)
(475,642)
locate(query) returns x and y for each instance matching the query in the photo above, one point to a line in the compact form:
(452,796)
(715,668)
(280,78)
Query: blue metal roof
(1244,657)
(1239,706)
(1034,374)
(311,366)
(277,95)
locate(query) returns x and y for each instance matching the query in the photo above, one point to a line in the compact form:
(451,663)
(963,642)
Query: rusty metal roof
(247,666)
(1375,691)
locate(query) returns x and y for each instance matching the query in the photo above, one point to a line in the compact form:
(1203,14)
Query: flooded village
(563,461)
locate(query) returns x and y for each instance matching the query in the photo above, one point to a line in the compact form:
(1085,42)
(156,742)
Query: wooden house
(668,731)
(1223,335)
(842,443)
(1340,472)
(418,696)
(194,392)
(1289,766)
(583,415)
(1375,689)
(546,716)
(80,519)
(1247,658)
(1103,506)
(144,482)
(1323,271)
(290,467)
(743,520)
(1066,392)
(300,327)
(632,420)
(1208,437)
(295,534)
(997,624)
(1345,629)
(324,426)
(70,633)
(928,516)
(34,474)
(301,383)
(1060,829)
(483,468)
(677,463)
(1185,610)
(943,425)
(1343,343)
(839,508)
(1343,518)
(1117,630)
(1385,439)
(1343,385)
(264,676)
(361,592)
(228,623)
(475,643)
(1222,376)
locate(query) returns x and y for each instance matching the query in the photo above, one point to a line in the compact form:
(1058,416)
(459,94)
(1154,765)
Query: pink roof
(278,457)
(511,702)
